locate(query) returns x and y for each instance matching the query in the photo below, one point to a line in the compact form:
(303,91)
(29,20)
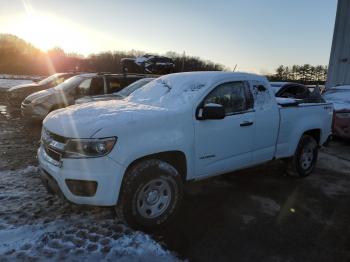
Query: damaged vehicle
(117,95)
(18,93)
(136,154)
(289,89)
(297,91)
(339,96)
(38,105)
(151,64)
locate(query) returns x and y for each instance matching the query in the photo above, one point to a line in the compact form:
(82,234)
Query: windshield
(49,79)
(69,83)
(171,90)
(132,87)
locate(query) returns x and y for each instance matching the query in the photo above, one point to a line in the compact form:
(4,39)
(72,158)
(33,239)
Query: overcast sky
(257,35)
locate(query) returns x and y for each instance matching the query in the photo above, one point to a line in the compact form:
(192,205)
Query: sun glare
(46,31)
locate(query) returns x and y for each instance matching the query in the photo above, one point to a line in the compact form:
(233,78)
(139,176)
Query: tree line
(19,57)
(306,74)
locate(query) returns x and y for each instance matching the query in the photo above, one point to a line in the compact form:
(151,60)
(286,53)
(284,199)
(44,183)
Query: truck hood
(42,93)
(85,120)
(87,99)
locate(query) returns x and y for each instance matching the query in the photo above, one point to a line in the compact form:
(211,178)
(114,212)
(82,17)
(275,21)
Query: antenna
(234,69)
(183,62)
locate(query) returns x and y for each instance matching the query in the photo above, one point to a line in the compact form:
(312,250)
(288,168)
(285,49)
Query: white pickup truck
(137,153)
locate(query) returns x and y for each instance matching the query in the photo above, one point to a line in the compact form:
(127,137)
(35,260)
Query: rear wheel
(304,160)
(151,194)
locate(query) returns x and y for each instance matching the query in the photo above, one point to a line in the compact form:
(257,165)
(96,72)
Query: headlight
(82,148)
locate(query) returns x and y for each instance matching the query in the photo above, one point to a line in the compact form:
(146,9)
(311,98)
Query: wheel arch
(315,133)
(176,158)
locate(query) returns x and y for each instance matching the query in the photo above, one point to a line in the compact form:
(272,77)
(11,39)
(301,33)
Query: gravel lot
(259,214)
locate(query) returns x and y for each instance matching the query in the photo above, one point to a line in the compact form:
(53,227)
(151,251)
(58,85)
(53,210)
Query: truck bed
(295,119)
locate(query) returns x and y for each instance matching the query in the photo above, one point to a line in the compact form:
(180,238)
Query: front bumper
(102,171)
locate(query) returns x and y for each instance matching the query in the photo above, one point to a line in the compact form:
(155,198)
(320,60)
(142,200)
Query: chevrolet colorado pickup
(136,154)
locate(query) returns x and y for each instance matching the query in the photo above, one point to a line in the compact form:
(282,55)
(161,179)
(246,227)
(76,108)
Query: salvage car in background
(340,97)
(178,128)
(289,89)
(18,93)
(117,95)
(297,91)
(36,106)
(152,64)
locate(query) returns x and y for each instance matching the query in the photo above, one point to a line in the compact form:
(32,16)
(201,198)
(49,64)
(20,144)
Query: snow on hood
(87,99)
(84,120)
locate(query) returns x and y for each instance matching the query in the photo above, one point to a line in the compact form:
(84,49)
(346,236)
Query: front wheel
(304,160)
(151,194)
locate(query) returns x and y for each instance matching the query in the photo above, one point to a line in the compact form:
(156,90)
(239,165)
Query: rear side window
(114,84)
(232,96)
(97,86)
(84,87)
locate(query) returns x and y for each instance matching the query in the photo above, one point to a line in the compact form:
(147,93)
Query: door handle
(246,123)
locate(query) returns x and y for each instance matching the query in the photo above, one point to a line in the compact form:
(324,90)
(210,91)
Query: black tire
(304,160)
(145,186)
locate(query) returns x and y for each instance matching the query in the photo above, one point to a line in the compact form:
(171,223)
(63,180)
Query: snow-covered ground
(8,83)
(36,225)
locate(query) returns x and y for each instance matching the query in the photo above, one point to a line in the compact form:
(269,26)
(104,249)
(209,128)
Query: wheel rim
(154,198)
(307,156)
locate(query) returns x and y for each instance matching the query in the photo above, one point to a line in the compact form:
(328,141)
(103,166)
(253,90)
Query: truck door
(266,122)
(226,144)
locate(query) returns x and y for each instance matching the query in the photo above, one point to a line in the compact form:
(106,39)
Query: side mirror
(211,111)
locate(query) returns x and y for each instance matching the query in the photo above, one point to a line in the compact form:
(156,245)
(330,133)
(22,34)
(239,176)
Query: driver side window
(84,87)
(232,96)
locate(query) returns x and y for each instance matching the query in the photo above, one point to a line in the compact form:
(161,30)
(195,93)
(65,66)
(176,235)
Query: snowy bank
(35,225)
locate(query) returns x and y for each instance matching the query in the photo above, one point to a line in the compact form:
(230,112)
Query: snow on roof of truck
(178,89)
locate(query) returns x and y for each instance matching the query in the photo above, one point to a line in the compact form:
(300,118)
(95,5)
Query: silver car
(117,95)
(38,105)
